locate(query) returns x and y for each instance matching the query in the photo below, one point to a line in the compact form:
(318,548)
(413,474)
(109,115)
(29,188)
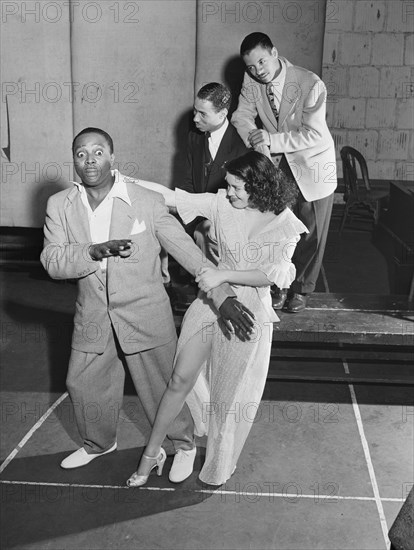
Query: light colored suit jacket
(301,133)
(133,300)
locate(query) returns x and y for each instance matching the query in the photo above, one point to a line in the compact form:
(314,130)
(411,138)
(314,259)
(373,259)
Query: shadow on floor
(39,512)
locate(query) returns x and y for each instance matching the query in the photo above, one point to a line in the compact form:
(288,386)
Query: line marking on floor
(368,459)
(328,498)
(32,431)
(360,310)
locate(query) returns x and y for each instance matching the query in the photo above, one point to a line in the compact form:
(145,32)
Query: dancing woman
(222,378)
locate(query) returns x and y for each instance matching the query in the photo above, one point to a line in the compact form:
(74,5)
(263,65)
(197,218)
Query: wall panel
(130,67)
(135,67)
(36,112)
(296,28)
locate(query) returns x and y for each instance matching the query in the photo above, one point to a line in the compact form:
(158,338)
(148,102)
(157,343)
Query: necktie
(208,160)
(272,100)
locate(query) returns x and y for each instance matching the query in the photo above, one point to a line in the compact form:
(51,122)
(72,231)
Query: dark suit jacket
(231,147)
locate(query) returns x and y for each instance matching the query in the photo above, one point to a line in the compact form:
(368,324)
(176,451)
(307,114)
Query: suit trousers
(95,384)
(308,255)
(309,251)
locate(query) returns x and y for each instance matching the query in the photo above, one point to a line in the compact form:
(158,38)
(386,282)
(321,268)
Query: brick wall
(368,67)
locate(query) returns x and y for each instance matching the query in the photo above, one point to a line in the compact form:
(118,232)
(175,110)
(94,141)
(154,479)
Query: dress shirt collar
(218,134)
(118,190)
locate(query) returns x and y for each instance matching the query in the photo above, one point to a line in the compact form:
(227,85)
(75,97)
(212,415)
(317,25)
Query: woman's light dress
(228,391)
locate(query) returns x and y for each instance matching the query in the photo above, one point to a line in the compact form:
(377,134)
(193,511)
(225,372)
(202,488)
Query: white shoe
(183,465)
(81,458)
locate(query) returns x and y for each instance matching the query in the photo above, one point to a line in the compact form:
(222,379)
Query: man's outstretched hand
(237,318)
(116,247)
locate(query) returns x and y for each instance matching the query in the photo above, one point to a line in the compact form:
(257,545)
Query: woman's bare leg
(187,368)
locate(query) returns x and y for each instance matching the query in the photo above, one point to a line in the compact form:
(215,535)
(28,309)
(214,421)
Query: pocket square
(138,227)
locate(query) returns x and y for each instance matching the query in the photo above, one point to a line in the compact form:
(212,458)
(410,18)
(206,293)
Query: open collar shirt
(100,218)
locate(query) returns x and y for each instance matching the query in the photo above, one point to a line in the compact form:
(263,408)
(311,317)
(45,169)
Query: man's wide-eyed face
(93,159)
(262,64)
(206,118)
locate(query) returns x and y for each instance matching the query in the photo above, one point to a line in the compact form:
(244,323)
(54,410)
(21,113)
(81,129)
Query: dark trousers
(308,255)
(309,251)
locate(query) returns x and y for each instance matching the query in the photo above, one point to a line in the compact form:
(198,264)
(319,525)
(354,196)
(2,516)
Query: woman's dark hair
(92,130)
(268,187)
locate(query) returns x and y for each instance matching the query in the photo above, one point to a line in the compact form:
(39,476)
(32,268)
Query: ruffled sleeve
(280,244)
(282,272)
(191,205)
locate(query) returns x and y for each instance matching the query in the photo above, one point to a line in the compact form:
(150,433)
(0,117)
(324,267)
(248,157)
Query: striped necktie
(272,100)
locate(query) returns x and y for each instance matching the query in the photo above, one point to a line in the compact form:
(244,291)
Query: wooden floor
(351,319)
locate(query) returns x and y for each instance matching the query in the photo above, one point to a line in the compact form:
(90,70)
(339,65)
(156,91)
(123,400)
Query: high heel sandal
(136,480)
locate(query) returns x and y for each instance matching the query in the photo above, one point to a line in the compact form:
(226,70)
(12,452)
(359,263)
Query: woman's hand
(209,277)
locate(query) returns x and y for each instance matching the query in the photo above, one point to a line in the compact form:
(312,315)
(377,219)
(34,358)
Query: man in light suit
(107,233)
(291,104)
(214,142)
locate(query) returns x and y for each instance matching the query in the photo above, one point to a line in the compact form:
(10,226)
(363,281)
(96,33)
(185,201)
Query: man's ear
(223,113)
(112,159)
(274,52)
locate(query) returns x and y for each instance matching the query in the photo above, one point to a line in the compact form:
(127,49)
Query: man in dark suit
(214,142)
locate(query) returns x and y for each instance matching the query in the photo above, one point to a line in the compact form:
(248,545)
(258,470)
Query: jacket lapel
(224,148)
(291,93)
(78,224)
(267,108)
(122,221)
(77,218)
(198,164)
